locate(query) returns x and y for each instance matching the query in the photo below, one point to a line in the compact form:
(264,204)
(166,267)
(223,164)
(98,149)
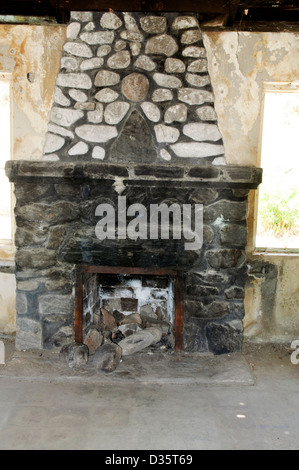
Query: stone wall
(134,87)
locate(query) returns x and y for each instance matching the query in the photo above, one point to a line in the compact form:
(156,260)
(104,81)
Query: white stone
(87,106)
(165,155)
(60,130)
(120,45)
(2,353)
(192,96)
(105,78)
(166,133)
(70,64)
(197,150)
(65,117)
(151,111)
(140,340)
(153,24)
(162,44)
(174,65)
(90,26)
(60,98)
(119,60)
(110,21)
(191,36)
(81,148)
(83,16)
(206,113)
(219,161)
(135,48)
(194,51)
(96,116)
(199,65)
(115,112)
(90,64)
(130,22)
(78,49)
(145,63)
(78,95)
(98,37)
(74,80)
(185,22)
(202,131)
(51,157)
(96,133)
(197,80)
(98,152)
(103,50)
(162,94)
(106,95)
(176,113)
(167,81)
(73,30)
(53,143)
(131,36)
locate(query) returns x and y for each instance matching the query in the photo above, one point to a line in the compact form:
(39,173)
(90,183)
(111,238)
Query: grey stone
(234,292)
(195,97)
(81,148)
(206,113)
(110,21)
(107,320)
(78,49)
(107,357)
(82,16)
(222,259)
(106,95)
(225,210)
(74,80)
(119,60)
(191,36)
(133,318)
(197,80)
(202,132)
(198,66)
(60,130)
(53,143)
(204,195)
(55,213)
(28,334)
(96,133)
(151,111)
(167,81)
(75,355)
(140,340)
(27,286)
(224,338)
(96,116)
(176,113)
(21,303)
(103,50)
(35,258)
(174,65)
(56,304)
(56,237)
(145,63)
(161,45)
(90,64)
(129,328)
(115,112)
(93,340)
(134,36)
(89,106)
(166,134)
(153,24)
(147,310)
(162,94)
(73,30)
(131,24)
(185,22)
(70,64)
(234,235)
(98,152)
(194,51)
(197,150)
(60,98)
(106,78)
(78,95)
(98,37)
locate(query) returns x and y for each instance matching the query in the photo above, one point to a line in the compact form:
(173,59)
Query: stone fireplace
(133,117)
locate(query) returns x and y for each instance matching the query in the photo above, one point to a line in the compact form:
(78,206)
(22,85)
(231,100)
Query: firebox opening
(116,305)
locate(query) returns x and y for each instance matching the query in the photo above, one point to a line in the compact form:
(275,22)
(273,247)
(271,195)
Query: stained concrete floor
(153,402)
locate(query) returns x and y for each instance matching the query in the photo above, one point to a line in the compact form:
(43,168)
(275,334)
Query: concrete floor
(64,410)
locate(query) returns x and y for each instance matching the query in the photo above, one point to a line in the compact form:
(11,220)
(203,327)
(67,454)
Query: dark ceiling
(254,15)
